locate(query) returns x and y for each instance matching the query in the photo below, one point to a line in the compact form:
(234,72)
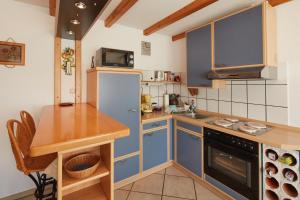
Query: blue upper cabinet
(119,97)
(239,39)
(199,57)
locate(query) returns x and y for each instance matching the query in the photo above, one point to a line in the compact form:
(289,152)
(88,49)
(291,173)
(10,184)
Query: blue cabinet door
(119,98)
(155,148)
(199,57)
(189,152)
(126,168)
(239,39)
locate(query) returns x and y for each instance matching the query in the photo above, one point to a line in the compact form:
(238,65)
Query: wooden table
(68,131)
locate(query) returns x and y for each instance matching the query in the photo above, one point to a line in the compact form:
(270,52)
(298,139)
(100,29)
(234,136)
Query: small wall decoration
(12,53)
(68,60)
(146,48)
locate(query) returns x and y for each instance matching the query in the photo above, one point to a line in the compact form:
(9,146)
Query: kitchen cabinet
(189,147)
(246,38)
(122,104)
(155,148)
(171,124)
(199,56)
(117,94)
(126,168)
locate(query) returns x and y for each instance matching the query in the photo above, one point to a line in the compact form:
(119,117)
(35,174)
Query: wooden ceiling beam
(179,14)
(277,2)
(118,12)
(52,7)
(178,36)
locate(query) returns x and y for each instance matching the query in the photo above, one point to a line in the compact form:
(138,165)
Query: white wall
(288,16)
(29,87)
(165,55)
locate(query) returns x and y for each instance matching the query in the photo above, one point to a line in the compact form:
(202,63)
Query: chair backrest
(20,143)
(28,122)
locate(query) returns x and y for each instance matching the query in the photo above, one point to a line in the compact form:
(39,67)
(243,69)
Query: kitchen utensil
(159,75)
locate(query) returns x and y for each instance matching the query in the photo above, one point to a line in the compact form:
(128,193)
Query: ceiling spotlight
(75,21)
(70,32)
(80,5)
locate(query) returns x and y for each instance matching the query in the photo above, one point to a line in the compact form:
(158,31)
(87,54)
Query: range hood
(265,73)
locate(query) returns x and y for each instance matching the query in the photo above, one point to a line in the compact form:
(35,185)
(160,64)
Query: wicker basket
(82,166)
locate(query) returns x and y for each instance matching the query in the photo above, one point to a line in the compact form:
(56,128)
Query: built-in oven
(233,161)
(106,57)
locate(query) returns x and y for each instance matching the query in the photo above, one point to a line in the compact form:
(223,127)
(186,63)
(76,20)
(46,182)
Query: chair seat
(40,163)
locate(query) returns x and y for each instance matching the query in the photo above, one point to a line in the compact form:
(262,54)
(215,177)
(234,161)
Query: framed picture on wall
(12,53)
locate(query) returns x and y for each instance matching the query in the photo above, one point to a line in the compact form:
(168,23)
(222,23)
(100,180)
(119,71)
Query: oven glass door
(233,167)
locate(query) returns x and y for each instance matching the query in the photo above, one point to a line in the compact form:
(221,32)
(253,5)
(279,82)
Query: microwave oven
(106,57)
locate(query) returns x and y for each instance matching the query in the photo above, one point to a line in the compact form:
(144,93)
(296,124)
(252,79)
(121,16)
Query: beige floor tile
(175,172)
(161,172)
(182,187)
(127,187)
(121,194)
(151,184)
(204,194)
(143,196)
(171,198)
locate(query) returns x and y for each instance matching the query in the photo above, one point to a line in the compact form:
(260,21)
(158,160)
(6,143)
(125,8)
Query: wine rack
(281,173)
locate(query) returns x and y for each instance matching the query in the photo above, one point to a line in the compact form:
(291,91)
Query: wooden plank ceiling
(118,12)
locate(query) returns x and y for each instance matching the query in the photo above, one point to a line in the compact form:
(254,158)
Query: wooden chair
(20,139)
(28,122)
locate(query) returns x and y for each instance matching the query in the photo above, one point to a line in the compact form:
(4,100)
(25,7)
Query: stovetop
(236,127)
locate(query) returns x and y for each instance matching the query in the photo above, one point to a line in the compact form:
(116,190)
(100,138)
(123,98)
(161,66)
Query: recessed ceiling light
(75,21)
(80,5)
(70,32)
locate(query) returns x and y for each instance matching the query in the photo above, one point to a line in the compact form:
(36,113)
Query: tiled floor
(169,184)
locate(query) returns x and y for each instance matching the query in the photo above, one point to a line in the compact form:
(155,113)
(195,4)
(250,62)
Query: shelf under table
(93,192)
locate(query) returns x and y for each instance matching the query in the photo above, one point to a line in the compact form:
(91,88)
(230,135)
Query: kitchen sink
(195,116)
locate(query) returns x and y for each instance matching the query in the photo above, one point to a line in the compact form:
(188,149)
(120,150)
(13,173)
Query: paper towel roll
(166,100)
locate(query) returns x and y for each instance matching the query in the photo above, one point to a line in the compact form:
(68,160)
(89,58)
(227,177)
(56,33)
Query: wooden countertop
(281,136)
(115,69)
(148,117)
(62,128)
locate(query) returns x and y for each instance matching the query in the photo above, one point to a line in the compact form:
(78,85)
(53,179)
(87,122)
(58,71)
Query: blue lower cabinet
(189,152)
(190,127)
(126,168)
(155,148)
(155,124)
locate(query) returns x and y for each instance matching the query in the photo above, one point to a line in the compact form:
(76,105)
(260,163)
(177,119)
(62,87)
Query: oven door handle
(222,146)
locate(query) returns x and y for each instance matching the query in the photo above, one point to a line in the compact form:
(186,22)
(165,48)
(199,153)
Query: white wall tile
(162,89)
(239,109)
(277,115)
(184,91)
(225,93)
(256,94)
(154,100)
(212,94)
(201,104)
(212,106)
(202,93)
(190,99)
(239,93)
(257,112)
(177,88)
(145,89)
(184,99)
(277,95)
(252,82)
(170,88)
(235,82)
(225,107)
(154,90)
(160,101)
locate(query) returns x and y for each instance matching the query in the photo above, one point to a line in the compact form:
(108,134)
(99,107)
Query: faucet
(193,107)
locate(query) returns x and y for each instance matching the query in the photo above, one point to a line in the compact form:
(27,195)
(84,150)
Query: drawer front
(126,168)
(154,124)
(190,127)
(189,152)
(155,150)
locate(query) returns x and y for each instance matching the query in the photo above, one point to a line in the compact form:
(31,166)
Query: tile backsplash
(261,100)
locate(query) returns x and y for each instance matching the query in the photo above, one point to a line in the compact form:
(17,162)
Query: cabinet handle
(194,137)
(149,134)
(132,110)
(156,124)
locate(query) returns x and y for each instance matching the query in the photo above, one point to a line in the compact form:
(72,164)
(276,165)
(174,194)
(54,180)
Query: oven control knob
(239,143)
(251,147)
(131,62)
(131,56)
(245,145)
(233,141)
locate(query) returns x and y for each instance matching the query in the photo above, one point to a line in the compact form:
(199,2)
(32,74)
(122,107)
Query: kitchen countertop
(281,136)
(63,128)
(148,117)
